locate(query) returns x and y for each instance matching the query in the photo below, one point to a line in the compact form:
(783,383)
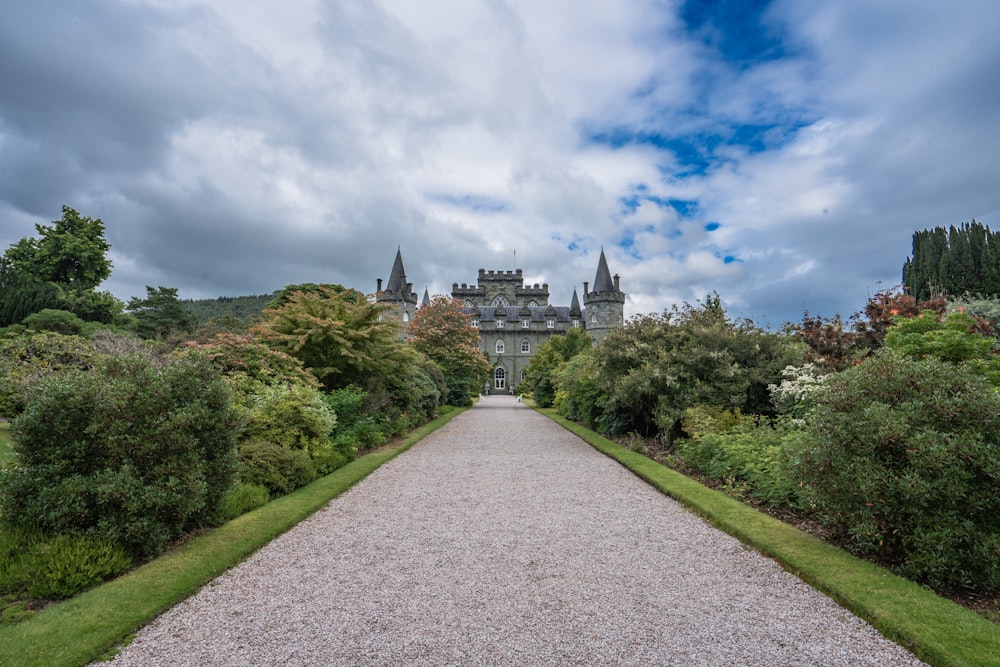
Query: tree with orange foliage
(444,332)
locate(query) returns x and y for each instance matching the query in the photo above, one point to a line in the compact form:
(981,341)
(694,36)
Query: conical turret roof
(427,298)
(574,306)
(603,281)
(397,279)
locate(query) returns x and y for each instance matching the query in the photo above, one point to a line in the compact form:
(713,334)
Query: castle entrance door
(499,378)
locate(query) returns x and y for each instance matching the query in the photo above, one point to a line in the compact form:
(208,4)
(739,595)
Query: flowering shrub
(796,394)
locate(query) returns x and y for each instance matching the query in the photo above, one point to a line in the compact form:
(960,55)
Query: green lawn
(6,452)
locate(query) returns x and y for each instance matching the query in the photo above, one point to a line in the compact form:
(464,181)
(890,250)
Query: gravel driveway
(503,539)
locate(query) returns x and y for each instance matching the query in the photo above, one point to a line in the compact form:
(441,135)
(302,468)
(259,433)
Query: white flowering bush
(796,395)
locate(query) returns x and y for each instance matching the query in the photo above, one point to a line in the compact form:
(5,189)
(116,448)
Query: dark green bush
(129,452)
(904,465)
(242,498)
(278,468)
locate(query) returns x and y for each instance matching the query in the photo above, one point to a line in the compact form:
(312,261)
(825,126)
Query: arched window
(524,374)
(500,347)
(525,346)
(500,378)
(500,300)
(406,317)
(593,318)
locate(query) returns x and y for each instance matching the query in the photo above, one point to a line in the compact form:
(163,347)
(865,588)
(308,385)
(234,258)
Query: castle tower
(398,293)
(605,304)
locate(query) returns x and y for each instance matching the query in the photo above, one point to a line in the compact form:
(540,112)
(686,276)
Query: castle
(513,318)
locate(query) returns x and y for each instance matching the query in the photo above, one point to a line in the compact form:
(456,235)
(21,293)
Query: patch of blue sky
(479,203)
(736,29)
(712,226)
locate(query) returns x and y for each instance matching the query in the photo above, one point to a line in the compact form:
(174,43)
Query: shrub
(59,321)
(904,465)
(127,452)
(278,468)
(242,498)
(58,566)
(25,358)
(294,416)
(751,454)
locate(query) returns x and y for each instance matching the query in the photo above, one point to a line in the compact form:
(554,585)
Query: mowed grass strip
(86,627)
(6,450)
(937,630)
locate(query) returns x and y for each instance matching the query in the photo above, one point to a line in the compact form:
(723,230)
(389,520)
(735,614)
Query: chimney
(379,285)
(585,286)
(617,285)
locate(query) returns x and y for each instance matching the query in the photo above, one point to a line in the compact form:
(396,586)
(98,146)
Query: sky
(778,153)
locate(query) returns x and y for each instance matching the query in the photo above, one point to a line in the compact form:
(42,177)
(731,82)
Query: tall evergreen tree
(953,260)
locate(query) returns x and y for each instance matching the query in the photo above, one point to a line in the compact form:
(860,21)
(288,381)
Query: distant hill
(241,307)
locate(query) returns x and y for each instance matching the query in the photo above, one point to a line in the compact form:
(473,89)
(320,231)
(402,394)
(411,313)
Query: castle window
(500,378)
(525,324)
(524,374)
(576,324)
(500,347)
(532,304)
(525,346)
(550,324)
(500,300)
(406,317)
(475,322)
(593,318)
(499,324)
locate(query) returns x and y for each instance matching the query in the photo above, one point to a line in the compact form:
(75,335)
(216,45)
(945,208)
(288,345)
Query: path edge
(935,629)
(93,624)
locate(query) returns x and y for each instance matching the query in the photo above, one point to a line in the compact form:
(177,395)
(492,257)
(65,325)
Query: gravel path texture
(503,539)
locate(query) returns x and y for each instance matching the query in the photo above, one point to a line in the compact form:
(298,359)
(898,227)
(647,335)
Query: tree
(443,332)
(72,252)
(337,334)
(653,369)
(60,269)
(160,313)
(540,376)
(953,261)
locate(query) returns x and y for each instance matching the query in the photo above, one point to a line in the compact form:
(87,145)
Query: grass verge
(84,628)
(937,630)
(6,450)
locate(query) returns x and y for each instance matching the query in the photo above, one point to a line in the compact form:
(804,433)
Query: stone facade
(513,318)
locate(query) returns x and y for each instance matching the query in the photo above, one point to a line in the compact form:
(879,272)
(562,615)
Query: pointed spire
(603,281)
(574,306)
(397,279)
(426,300)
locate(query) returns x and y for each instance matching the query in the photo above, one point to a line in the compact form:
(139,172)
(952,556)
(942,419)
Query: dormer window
(525,324)
(576,324)
(475,322)
(550,324)
(499,324)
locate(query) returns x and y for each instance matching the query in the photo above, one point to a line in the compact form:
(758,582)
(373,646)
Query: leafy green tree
(59,269)
(337,334)
(71,252)
(655,367)
(442,331)
(160,313)
(540,376)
